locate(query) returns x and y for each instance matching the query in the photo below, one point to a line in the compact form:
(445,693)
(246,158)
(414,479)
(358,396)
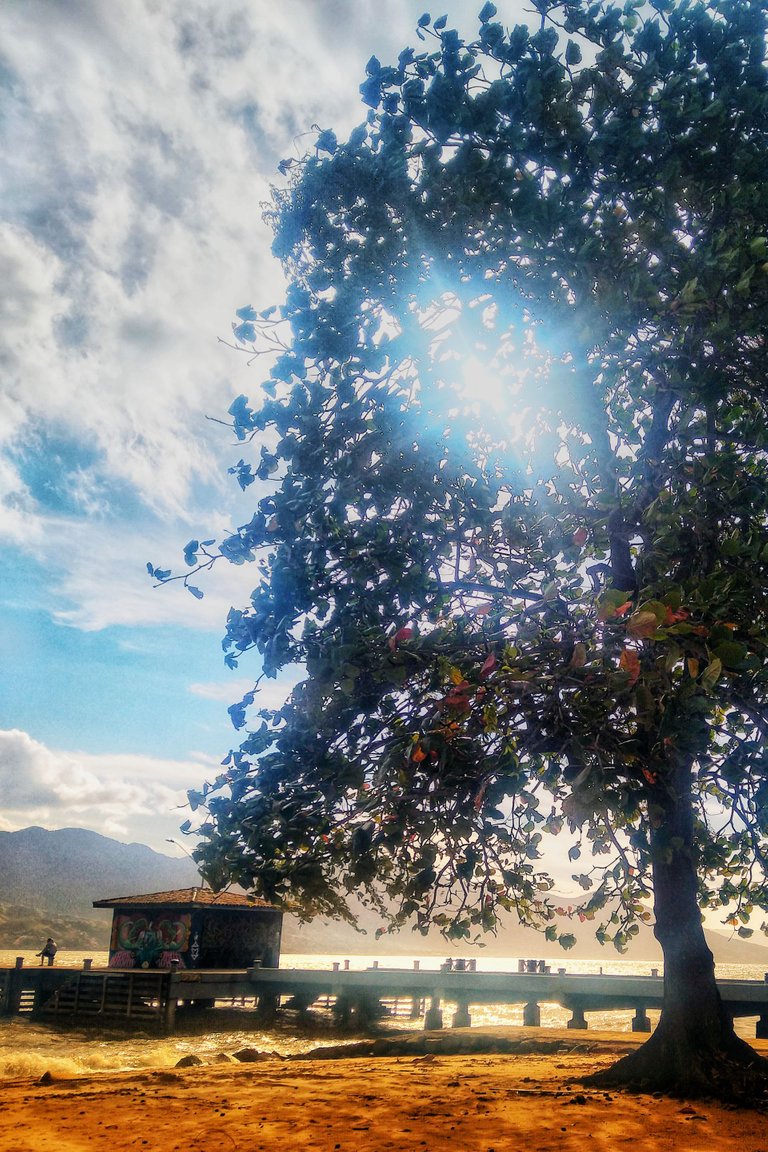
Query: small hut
(193,928)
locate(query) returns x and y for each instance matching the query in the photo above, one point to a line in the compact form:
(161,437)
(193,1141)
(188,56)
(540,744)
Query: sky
(139,141)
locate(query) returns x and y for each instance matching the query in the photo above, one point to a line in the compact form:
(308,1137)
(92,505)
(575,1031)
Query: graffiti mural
(141,940)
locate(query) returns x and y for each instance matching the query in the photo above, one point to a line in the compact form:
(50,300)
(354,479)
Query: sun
(496,399)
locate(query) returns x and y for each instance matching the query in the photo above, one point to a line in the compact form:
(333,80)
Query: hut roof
(185,898)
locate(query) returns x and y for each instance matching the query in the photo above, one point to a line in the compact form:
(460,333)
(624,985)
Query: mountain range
(49,880)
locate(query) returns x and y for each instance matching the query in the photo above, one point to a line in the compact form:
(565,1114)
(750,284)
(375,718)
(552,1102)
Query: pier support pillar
(366,1010)
(531,1015)
(433,1017)
(461,1017)
(266,1008)
(578,1019)
(169,1013)
(12,995)
(417,1007)
(640,1021)
(761,1028)
(342,1010)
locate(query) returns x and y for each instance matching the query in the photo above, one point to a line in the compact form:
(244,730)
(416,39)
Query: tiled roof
(186,897)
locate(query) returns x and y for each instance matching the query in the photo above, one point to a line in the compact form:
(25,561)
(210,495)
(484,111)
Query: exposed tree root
(732,1073)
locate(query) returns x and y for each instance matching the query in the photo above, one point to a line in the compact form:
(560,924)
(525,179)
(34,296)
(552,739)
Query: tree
(517,531)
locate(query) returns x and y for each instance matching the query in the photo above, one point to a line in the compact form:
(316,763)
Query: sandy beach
(429,1097)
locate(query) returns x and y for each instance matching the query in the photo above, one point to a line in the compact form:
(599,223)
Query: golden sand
(529,1101)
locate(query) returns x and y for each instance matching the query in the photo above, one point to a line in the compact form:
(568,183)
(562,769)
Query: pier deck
(143,995)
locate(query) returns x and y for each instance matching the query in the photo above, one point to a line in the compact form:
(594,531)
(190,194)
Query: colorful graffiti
(140,940)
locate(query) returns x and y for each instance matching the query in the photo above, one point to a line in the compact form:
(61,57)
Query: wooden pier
(152,996)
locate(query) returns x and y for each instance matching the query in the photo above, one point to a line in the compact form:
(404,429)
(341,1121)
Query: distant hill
(27,928)
(49,880)
(65,870)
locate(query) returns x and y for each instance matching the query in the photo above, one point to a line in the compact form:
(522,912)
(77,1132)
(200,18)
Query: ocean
(29,1049)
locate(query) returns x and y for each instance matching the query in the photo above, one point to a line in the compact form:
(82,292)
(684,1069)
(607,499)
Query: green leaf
(711,674)
(572,53)
(731,653)
(609,602)
(712,110)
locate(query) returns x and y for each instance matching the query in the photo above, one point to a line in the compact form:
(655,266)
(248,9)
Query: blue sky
(139,140)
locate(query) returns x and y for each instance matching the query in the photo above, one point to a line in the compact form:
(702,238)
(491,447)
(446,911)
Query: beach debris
(189,1061)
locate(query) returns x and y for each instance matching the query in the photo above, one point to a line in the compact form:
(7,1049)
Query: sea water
(28,1049)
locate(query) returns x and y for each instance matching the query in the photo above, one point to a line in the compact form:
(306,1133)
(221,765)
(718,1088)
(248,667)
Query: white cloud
(100,578)
(223,691)
(139,798)
(139,141)
(270,693)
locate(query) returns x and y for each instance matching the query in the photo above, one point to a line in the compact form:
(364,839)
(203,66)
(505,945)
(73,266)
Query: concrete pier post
(640,1021)
(12,997)
(169,1015)
(342,1010)
(461,1017)
(578,1019)
(266,1007)
(433,1017)
(761,1028)
(366,1010)
(531,1015)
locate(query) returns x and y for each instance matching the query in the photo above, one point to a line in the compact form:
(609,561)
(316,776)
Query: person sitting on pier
(48,952)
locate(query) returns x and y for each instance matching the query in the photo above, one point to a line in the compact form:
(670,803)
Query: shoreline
(439,1092)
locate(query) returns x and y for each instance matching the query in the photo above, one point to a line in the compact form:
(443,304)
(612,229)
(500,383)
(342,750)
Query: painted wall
(150,939)
(205,938)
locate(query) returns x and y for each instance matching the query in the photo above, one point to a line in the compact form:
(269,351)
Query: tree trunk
(694,1050)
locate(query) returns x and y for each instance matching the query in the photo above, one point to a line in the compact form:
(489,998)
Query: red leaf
(399,636)
(488,666)
(629,662)
(580,536)
(457,698)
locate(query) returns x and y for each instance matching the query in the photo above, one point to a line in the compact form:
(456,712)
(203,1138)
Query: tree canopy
(515,531)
